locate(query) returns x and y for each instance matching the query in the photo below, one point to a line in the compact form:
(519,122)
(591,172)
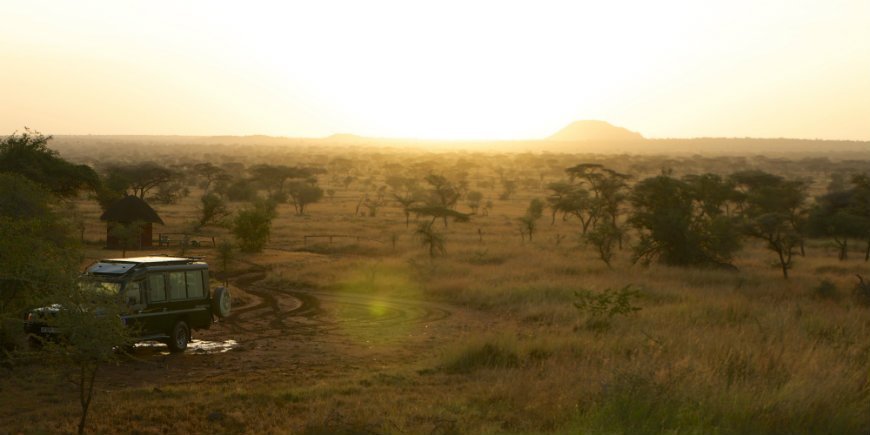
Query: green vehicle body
(167,297)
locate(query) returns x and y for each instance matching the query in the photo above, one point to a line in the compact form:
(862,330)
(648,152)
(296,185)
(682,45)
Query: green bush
(826,290)
(600,308)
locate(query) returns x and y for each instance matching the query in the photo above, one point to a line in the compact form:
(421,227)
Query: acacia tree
(303,193)
(407,202)
(213,209)
(474,199)
(138,179)
(860,204)
(674,231)
(529,221)
(272,178)
(773,211)
(604,237)
(592,193)
(431,239)
(442,199)
(210,174)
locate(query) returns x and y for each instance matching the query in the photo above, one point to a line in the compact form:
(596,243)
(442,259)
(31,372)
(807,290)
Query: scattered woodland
(580,292)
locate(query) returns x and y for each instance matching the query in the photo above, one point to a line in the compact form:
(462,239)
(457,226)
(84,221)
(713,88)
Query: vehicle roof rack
(120,266)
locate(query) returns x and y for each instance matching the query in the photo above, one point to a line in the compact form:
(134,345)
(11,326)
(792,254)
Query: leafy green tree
(28,155)
(238,189)
(604,237)
(91,334)
(303,193)
(128,234)
(210,174)
(407,201)
(773,211)
(859,204)
(170,192)
(213,209)
(474,199)
(834,216)
(607,187)
(273,178)
(529,221)
(137,179)
(431,239)
(37,255)
(557,200)
(673,230)
(443,192)
(435,212)
(510,187)
(253,225)
(713,194)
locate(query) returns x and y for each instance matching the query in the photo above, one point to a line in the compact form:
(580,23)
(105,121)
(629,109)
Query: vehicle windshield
(98,286)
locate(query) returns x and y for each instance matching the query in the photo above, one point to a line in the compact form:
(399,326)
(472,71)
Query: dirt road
(300,333)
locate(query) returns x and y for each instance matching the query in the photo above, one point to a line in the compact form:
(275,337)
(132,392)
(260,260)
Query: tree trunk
(844,248)
(86,392)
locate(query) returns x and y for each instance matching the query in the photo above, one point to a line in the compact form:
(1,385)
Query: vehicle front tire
(179,337)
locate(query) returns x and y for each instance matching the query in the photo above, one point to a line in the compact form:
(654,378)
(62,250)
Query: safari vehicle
(166,297)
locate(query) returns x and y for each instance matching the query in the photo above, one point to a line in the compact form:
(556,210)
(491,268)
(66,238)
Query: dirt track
(298,332)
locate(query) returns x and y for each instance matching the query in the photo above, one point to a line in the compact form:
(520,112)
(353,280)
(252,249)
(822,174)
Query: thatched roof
(129,209)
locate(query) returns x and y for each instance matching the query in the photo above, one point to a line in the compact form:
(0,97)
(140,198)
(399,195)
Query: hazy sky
(437,69)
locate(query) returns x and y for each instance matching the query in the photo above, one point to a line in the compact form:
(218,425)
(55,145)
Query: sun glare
(448,70)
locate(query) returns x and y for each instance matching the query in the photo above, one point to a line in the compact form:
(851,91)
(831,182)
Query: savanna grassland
(498,331)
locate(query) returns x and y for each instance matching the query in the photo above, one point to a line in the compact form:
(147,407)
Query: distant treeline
(794,148)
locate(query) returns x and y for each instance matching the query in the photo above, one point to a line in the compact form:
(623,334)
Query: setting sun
(447,70)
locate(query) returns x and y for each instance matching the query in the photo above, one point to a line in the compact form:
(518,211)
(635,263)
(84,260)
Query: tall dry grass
(709,351)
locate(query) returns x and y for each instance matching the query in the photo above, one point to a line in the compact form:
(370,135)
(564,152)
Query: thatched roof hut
(130,209)
(125,211)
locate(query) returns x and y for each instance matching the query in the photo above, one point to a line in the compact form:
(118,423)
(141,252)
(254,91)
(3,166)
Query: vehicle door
(156,318)
(134,298)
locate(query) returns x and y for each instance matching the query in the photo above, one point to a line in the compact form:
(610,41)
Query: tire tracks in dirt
(281,311)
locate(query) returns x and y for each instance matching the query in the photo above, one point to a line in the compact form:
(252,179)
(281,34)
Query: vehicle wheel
(179,337)
(221,304)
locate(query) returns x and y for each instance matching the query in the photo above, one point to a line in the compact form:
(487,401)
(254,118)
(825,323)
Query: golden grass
(709,352)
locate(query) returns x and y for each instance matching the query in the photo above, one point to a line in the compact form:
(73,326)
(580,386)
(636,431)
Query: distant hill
(594,131)
(345,137)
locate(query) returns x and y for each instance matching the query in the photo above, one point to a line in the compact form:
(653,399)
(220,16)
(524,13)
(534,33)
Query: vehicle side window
(194,284)
(132,293)
(176,286)
(156,287)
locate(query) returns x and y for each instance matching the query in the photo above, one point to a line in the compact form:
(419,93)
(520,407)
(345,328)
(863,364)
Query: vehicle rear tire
(179,337)
(221,304)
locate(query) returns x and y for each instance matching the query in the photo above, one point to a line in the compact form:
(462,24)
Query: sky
(437,69)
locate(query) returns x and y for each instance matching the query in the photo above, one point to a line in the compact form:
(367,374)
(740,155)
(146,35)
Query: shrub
(488,354)
(826,290)
(252,226)
(861,293)
(602,307)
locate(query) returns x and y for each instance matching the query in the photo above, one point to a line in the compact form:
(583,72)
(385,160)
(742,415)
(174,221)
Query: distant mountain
(594,131)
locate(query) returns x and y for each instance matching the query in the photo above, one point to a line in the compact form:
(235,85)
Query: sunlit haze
(446,69)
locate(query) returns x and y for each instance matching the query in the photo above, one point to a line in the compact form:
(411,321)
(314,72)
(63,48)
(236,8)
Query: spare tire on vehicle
(221,302)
